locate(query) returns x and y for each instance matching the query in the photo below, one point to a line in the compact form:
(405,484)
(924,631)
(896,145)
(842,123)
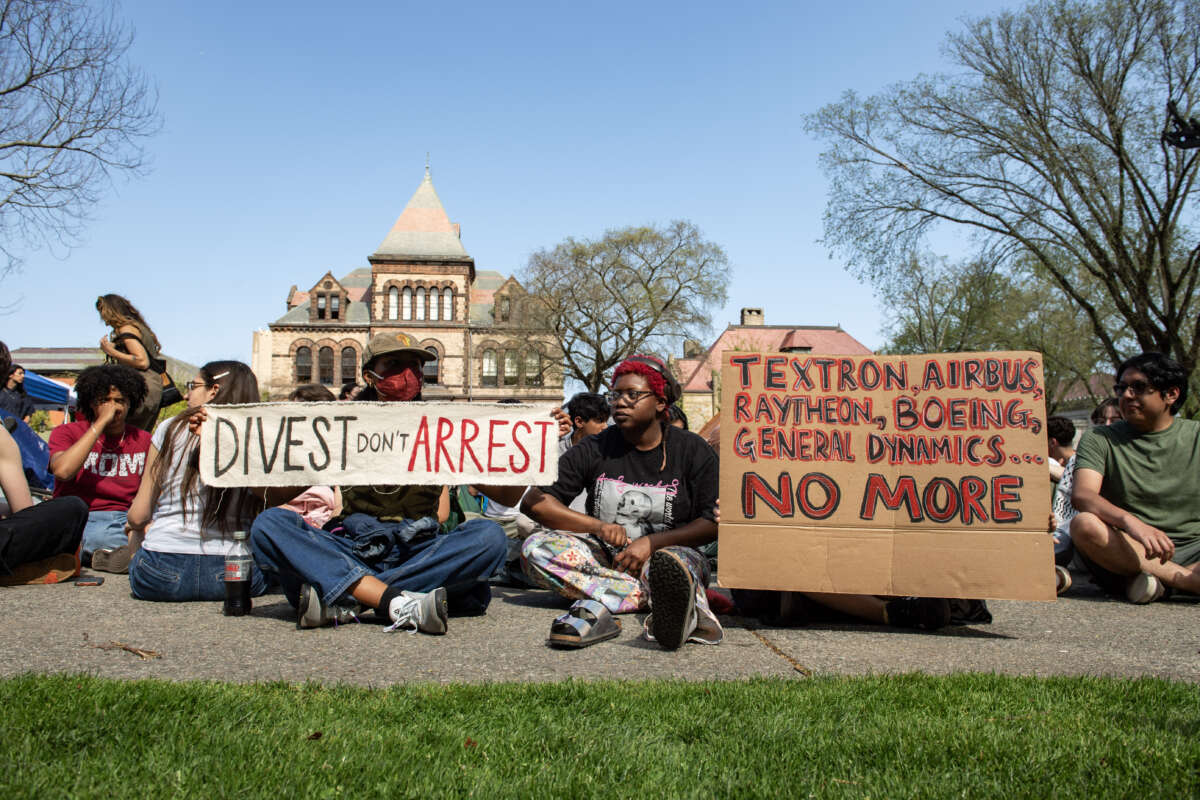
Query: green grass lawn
(909,736)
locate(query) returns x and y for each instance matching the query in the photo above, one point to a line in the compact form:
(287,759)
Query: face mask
(404,385)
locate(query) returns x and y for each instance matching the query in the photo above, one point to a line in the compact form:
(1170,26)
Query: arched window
(435,305)
(448,303)
(533,368)
(489,367)
(325,365)
(421,303)
(349,365)
(512,371)
(431,366)
(393,303)
(303,365)
(406,305)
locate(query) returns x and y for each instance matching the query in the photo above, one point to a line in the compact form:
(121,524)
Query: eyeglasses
(195,385)
(1138,387)
(630,396)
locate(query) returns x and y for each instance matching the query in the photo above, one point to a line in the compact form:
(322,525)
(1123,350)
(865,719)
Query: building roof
(483,295)
(696,374)
(357,283)
(357,313)
(73,360)
(423,231)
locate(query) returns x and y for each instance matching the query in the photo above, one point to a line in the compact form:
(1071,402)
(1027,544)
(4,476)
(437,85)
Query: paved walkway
(69,629)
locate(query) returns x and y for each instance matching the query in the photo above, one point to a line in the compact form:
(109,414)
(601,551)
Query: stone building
(698,371)
(420,280)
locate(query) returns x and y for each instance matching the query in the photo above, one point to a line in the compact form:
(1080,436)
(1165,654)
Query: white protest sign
(360,444)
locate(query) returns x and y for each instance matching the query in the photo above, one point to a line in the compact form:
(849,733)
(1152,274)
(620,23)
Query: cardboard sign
(891,475)
(361,444)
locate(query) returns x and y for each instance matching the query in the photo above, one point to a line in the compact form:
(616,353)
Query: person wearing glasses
(1137,487)
(101,459)
(181,555)
(651,491)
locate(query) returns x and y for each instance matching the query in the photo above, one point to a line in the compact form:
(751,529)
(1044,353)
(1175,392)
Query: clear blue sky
(296,132)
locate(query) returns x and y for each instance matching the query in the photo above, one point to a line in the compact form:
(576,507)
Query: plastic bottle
(237,577)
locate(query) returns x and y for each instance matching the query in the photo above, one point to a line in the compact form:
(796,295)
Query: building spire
(428,175)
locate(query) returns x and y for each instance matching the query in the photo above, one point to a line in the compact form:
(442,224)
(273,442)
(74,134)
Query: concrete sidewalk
(62,628)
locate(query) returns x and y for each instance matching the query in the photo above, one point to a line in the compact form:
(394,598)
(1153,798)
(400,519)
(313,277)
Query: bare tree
(1047,145)
(634,289)
(72,113)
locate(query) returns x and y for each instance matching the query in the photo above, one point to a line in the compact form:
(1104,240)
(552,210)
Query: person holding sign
(1137,487)
(182,555)
(651,490)
(420,575)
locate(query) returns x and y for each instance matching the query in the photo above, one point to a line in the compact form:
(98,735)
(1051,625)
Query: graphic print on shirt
(113,465)
(639,508)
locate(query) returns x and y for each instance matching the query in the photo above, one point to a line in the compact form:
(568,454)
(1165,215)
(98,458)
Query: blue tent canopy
(45,391)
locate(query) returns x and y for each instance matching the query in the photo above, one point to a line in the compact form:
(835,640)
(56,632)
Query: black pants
(40,531)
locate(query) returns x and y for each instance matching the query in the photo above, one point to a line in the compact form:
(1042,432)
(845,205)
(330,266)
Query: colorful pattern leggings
(578,566)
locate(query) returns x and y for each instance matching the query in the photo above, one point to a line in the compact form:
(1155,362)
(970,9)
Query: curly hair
(1161,372)
(94,384)
(1061,430)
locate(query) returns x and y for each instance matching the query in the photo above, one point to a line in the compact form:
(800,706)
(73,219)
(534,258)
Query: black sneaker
(925,613)
(672,600)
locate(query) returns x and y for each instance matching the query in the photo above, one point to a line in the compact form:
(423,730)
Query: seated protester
(1108,412)
(588,413)
(317,504)
(1060,436)
(422,575)
(38,542)
(650,491)
(186,528)
(1137,487)
(101,460)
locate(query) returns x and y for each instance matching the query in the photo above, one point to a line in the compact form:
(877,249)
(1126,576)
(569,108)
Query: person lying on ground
(185,529)
(38,542)
(1137,487)
(417,581)
(650,561)
(101,459)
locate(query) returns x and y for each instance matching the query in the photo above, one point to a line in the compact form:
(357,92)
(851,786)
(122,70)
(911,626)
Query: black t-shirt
(632,488)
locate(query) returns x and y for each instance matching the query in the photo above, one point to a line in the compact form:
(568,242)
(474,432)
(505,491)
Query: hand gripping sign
(360,444)
(892,475)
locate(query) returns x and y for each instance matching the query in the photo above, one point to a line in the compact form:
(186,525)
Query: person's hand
(197,417)
(107,412)
(108,347)
(1157,544)
(631,559)
(131,529)
(612,534)
(564,422)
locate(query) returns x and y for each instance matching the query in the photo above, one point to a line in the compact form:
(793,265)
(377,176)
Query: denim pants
(461,560)
(104,531)
(175,577)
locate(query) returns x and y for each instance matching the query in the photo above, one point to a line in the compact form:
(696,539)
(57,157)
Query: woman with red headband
(651,490)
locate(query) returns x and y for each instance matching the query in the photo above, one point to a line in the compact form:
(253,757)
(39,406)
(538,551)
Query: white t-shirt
(168,532)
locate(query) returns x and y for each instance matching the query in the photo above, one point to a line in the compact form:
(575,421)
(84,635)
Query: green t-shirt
(1154,476)
(391,503)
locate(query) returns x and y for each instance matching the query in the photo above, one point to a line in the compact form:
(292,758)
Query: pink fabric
(317,504)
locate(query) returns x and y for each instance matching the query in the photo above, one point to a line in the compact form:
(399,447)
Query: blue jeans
(173,577)
(461,560)
(104,531)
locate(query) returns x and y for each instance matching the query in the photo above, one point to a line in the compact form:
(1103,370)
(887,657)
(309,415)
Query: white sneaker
(419,611)
(312,613)
(1145,588)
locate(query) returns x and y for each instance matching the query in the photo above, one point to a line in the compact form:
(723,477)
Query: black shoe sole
(672,600)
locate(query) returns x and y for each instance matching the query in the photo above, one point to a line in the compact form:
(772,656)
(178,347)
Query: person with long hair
(13,397)
(133,344)
(182,555)
(101,459)
(651,494)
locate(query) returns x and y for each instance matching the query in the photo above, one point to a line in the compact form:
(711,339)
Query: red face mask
(404,385)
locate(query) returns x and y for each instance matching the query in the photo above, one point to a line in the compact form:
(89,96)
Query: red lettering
(833,495)
(512,464)
(972,490)
(1003,492)
(464,445)
(780,501)
(545,426)
(877,489)
(421,440)
(492,424)
(445,429)
(930,500)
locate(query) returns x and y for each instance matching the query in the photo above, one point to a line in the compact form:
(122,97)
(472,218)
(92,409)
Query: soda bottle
(237,577)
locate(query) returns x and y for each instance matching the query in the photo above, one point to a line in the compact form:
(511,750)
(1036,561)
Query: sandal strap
(595,607)
(580,626)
